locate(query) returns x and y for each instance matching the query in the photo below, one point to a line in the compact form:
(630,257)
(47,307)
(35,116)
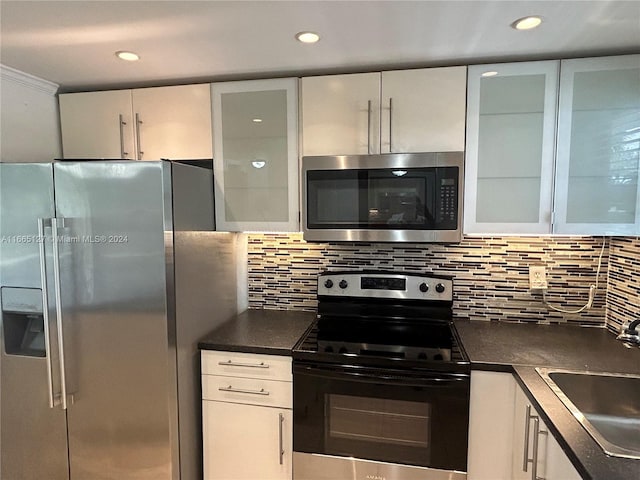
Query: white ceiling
(72,43)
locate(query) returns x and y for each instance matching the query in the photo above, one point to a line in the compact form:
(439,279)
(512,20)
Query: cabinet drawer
(248,365)
(270,393)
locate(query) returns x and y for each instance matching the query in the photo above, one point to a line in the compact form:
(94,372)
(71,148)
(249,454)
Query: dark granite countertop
(501,345)
(520,347)
(273,332)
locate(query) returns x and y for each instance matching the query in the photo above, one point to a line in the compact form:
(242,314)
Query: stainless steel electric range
(381,382)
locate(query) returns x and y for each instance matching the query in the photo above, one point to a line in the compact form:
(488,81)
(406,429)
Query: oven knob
(439,288)
(438,356)
(328,283)
(424,288)
(328,349)
(343,350)
(343,284)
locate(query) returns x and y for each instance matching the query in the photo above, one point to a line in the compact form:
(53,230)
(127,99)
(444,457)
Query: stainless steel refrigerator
(109,274)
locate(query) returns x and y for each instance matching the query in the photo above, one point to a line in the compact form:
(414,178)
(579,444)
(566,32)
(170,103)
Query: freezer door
(26,194)
(33,441)
(114,315)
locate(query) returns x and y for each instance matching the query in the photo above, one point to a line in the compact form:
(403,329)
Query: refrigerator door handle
(45,309)
(55,224)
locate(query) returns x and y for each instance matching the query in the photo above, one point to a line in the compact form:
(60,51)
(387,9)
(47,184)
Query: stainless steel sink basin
(607,405)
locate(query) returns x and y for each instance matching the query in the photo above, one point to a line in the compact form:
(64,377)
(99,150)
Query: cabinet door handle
(525,457)
(280,437)
(121,124)
(262,391)
(536,437)
(369,126)
(390,125)
(229,363)
(138,123)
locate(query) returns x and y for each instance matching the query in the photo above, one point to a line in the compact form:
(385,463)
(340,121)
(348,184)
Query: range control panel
(385,285)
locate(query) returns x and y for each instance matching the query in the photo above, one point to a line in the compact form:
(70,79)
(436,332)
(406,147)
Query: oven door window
(377,420)
(373,416)
(376,198)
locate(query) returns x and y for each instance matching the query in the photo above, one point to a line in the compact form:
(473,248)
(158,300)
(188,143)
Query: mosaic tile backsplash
(491,274)
(623,297)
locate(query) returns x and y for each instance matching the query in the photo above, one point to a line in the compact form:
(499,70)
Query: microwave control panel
(447,198)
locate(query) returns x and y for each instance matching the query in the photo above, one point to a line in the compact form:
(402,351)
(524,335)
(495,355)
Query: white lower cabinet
(507,438)
(247,421)
(246,442)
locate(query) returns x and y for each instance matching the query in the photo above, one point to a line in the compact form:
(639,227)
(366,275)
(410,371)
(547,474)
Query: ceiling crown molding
(28,80)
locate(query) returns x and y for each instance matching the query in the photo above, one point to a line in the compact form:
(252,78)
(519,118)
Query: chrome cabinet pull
(525,458)
(280,437)
(536,438)
(58,297)
(390,125)
(369,126)
(138,123)
(534,459)
(45,310)
(122,123)
(262,391)
(229,363)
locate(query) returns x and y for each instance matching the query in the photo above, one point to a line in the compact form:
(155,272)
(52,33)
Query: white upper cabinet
(397,111)
(341,114)
(255,133)
(510,147)
(423,110)
(599,147)
(97,125)
(142,124)
(173,122)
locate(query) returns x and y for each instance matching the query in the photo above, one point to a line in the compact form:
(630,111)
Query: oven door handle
(428,380)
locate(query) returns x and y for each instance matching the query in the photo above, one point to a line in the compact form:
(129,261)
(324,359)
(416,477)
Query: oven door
(395,416)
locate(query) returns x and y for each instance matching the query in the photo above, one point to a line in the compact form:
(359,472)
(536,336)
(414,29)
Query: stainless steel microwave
(415,197)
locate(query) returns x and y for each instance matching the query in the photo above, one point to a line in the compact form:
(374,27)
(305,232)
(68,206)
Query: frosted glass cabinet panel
(599,146)
(256,155)
(510,147)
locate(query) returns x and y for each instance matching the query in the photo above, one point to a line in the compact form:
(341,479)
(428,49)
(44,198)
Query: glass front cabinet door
(598,151)
(511,116)
(256,155)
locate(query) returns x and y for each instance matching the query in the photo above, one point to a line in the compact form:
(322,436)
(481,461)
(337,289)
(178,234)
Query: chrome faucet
(630,334)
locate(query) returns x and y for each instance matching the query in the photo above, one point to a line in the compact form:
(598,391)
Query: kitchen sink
(607,405)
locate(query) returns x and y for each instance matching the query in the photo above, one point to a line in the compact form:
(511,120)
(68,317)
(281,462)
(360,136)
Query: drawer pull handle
(262,391)
(229,363)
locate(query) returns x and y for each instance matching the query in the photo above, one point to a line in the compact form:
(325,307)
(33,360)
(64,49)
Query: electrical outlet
(537,277)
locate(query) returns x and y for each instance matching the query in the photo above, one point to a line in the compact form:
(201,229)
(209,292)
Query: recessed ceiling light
(128,56)
(258,163)
(526,23)
(307,37)
(490,74)
(257,120)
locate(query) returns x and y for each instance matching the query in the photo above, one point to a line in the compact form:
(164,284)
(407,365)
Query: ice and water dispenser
(22,321)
